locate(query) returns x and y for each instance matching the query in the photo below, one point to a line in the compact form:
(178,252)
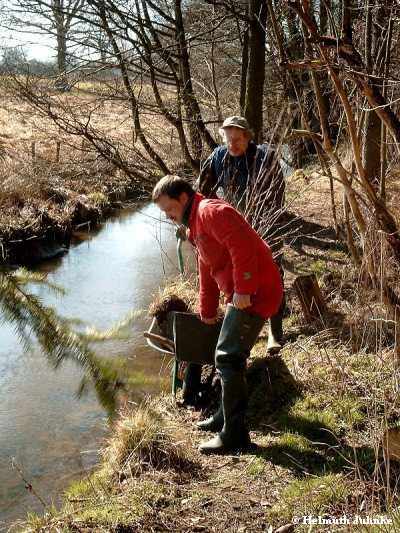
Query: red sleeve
(209,292)
(230,229)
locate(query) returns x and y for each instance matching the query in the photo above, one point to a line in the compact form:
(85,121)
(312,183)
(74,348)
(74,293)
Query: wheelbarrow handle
(158,338)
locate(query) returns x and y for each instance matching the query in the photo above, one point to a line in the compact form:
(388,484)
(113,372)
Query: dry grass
(53,179)
(147,439)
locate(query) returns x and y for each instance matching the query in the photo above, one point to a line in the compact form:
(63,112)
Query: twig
(28,485)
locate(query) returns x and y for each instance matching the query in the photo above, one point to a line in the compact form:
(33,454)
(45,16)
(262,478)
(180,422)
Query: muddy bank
(43,230)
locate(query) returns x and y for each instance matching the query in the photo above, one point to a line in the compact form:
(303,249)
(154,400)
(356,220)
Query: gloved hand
(180,232)
(210,321)
(241,301)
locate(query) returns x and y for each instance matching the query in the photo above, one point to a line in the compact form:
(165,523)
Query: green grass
(91,485)
(142,379)
(92,503)
(393,516)
(321,412)
(257,467)
(98,199)
(35,522)
(318,267)
(310,496)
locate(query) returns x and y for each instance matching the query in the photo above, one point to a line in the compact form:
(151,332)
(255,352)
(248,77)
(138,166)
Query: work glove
(181,232)
(241,301)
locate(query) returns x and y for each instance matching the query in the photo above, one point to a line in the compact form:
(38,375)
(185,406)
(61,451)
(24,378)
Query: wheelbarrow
(186,338)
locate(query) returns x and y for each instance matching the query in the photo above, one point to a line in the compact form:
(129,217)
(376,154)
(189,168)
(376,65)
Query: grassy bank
(42,206)
(310,460)
(317,415)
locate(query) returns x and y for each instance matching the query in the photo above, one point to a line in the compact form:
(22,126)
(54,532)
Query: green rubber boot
(275,334)
(238,334)
(214,423)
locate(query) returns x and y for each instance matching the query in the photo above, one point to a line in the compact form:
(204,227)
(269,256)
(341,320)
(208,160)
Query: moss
(315,496)
(318,267)
(298,443)
(112,513)
(257,467)
(35,522)
(98,199)
(116,508)
(297,454)
(308,420)
(90,485)
(318,416)
(348,411)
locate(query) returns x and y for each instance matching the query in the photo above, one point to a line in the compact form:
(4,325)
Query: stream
(53,436)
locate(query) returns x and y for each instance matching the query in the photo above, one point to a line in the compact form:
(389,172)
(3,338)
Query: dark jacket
(257,170)
(232,258)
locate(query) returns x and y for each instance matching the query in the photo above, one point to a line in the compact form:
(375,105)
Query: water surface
(53,435)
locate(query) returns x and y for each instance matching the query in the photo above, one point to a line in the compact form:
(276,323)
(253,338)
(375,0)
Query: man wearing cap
(234,260)
(249,177)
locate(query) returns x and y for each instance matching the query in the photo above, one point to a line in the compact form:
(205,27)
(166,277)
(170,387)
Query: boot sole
(213,429)
(251,447)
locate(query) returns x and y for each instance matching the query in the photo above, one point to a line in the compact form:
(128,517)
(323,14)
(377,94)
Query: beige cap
(236,122)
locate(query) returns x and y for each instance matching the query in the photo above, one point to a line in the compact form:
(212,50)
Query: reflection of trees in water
(30,317)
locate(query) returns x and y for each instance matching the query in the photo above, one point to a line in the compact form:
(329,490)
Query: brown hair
(172,186)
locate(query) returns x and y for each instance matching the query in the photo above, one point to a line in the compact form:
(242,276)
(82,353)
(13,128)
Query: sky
(36,46)
(40,47)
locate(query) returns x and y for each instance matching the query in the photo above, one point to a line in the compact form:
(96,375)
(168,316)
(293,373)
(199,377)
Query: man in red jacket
(233,260)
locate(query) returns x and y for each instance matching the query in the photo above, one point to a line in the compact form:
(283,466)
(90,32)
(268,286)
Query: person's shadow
(297,232)
(306,445)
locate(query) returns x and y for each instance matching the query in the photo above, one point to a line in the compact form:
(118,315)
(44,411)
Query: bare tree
(56,18)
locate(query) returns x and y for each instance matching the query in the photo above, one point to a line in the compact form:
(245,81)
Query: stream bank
(37,230)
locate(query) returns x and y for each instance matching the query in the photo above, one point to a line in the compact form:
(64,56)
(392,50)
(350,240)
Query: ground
(317,413)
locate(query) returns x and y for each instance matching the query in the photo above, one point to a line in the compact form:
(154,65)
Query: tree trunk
(372,130)
(309,294)
(253,108)
(372,147)
(62,30)
(197,129)
(62,57)
(243,72)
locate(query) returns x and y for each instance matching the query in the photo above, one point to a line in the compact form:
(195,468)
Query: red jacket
(232,258)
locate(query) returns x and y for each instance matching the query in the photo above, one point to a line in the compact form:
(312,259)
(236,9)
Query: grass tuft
(146,440)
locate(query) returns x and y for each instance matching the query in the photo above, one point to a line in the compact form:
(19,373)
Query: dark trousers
(239,333)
